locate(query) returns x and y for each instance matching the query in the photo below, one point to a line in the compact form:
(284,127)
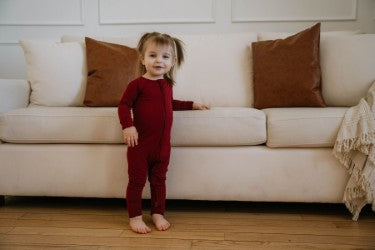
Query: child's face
(158,60)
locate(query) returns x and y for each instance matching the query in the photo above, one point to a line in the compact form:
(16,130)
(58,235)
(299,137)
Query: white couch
(231,152)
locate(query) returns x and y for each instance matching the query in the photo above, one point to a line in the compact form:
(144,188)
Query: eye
(166,57)
(152,55)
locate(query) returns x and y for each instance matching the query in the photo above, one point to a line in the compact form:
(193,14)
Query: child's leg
(157,177)
(137,172)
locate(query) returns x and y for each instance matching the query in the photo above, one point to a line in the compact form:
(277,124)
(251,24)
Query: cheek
(170,62)
(148,62)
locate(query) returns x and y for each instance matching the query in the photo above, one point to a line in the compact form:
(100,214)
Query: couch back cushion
(56,71)
(287,71)
(348,68)
(347,61)
(110,68)
(217,68)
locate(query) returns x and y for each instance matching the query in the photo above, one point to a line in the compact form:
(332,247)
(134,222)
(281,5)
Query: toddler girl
(148,133)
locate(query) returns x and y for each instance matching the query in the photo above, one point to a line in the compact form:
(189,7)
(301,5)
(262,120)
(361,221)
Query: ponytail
(179,51)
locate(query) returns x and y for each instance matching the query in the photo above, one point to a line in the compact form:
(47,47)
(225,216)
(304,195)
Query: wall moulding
(49,6)
(114,12)
(9,43)
(292,10)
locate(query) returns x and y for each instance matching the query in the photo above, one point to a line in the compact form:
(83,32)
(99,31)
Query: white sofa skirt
(245,173)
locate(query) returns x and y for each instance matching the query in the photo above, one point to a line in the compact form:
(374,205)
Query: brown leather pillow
(110,68)
(287,71)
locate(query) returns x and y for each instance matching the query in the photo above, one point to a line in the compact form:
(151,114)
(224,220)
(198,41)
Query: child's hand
(130,136)
(200,106)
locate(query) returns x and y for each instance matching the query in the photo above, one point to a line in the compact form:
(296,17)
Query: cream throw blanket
(355,149)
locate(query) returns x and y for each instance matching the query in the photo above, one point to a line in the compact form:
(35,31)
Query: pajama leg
(157,177)
(137,171)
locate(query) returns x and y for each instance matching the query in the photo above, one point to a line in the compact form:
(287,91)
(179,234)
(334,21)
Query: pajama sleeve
(181,105)
(126,104)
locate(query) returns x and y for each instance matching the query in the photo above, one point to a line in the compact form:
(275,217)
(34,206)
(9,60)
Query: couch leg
(2,200)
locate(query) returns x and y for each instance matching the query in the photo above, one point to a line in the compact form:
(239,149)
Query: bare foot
(160,222)
(138,225)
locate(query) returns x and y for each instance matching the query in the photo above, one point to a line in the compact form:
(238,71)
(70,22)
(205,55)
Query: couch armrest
(14,93)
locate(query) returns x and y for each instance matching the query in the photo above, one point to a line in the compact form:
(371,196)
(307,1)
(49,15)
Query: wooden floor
(78,223)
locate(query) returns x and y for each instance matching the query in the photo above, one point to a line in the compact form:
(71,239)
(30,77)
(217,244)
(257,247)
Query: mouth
(157,67)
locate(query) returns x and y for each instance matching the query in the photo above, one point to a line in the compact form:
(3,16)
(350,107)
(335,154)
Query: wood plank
(4,230)
(206,245)
(173,233)
(170,234)
(23,226)
(145,242)
(6,215)
(235,215)
(120,211)
(74,217)
(64,205)
(63,224)
(365,241)
(39,246)
(323,228)
(337,217)
(205,218)
(98,232)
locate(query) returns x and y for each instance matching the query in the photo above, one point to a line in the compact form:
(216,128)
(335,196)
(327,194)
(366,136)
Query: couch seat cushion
(229,126)
(38,124)
(218,126)
(303,127)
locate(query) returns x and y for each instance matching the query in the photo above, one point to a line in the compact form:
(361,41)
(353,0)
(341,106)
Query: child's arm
(126,104)
(182,105)
(130,133)
(200,106)
(187,105)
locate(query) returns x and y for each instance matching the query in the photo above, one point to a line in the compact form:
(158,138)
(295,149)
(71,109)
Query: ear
(174,61)
(142,58)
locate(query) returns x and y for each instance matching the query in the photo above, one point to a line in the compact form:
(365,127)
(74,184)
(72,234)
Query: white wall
(49,19)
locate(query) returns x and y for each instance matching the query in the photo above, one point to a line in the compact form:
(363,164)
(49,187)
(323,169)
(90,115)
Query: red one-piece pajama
(152,104)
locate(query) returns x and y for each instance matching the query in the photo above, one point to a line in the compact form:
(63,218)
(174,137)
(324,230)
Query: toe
(165,225)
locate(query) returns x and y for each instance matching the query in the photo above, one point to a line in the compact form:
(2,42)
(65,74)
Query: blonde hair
(161,39)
